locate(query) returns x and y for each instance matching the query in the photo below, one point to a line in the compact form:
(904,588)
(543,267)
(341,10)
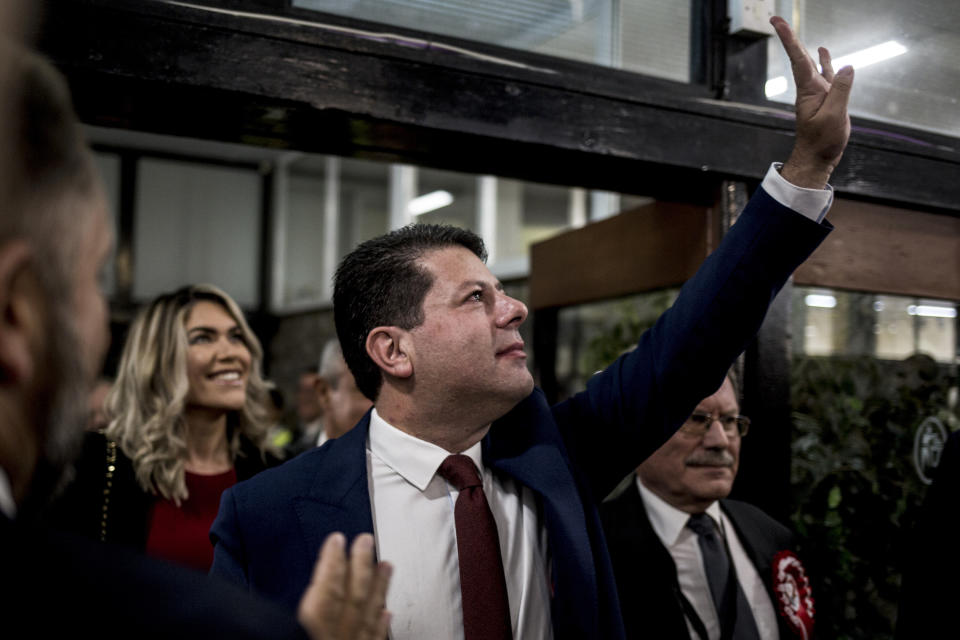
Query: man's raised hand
(823,124)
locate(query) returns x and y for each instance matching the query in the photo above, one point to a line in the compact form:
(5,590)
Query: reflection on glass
(905,56)
(870,374)
(528,212)
(591,336)
(364,209)
(827,322)
(304,233)
(445,197)
(650,37)
(196,223)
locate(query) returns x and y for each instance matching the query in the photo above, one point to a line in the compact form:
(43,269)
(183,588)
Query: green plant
(854,483)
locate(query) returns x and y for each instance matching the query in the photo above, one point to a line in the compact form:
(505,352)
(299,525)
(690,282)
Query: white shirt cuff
(813,203)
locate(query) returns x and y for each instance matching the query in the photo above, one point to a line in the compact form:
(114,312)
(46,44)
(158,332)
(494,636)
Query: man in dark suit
(667,583)
(433,340)
(54,240)
(929,592)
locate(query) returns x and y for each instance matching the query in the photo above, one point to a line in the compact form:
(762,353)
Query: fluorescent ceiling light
(932,311)
(857,59)
(871,55)
(429,202)
(776,86)
(824,302)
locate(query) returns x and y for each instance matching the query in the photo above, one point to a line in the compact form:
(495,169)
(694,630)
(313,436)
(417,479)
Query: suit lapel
(338,498)
(645,572)
(760,549)
(525,445)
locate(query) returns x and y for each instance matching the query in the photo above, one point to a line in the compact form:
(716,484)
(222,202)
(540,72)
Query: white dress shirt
(813,203)
(7,504)
(413,523)
(669,523)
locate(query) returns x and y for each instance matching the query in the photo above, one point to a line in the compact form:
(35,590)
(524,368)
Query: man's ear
(387,347)
(20,312)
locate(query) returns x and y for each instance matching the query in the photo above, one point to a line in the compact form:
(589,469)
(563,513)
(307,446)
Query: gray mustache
(710,458)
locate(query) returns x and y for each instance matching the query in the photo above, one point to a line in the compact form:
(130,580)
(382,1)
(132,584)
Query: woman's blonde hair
(145,407)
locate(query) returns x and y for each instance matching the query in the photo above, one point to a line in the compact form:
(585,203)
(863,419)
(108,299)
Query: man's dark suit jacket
(929,592)
(57,585)
(572,455)
(646,575)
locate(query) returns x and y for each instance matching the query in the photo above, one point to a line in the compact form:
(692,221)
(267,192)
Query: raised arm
(823,124)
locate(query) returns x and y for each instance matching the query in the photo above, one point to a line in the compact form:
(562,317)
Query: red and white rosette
(794,595)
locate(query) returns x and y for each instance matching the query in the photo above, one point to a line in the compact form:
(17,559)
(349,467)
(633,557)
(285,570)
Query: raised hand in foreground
(346,597)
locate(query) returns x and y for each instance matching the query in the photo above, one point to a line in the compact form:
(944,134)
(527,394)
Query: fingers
(800,61)
(361,580)
(322,603)
(839,96)
(376,617)
(825,64)
(346,598)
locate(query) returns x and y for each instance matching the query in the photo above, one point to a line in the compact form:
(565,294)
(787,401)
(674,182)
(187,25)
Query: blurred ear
(21,313)
(387,347)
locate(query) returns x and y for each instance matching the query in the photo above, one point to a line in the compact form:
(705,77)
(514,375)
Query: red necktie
(483,588)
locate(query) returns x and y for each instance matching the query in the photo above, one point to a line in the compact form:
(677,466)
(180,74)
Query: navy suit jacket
(647,576)
(573,454)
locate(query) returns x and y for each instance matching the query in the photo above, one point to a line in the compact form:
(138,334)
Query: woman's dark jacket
(117,509)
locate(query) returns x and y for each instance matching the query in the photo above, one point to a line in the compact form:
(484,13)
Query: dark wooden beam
(174,69)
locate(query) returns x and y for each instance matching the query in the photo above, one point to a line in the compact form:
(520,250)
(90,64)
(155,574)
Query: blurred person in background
(189,415)
(342,403)
(53,336)
(309,418)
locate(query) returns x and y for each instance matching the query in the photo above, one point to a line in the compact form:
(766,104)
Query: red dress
(181,534)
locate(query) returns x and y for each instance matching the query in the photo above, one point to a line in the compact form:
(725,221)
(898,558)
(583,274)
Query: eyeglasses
(699,423)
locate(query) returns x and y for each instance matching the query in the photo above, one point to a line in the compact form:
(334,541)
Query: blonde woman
(189,414)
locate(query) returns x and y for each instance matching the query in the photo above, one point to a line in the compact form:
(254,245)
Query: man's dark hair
(380,283)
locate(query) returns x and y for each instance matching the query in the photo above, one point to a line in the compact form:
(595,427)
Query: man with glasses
(688,562)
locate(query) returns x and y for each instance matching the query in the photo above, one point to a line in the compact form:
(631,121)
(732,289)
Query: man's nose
(510,311)
(716,437)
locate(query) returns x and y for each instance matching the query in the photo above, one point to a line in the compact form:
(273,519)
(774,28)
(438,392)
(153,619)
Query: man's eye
(477,295)
(699,418)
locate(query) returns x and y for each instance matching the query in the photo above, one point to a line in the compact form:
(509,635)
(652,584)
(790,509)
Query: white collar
(415,459)
(7,504)
(668,521)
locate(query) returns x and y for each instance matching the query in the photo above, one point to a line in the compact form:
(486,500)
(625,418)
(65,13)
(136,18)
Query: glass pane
(196,223)
(651,37)
(304,234)
(364,204)
(874,386)
(445,197)
(909,53)
(828,322)
(528,212)
(591,336)
(109,166)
